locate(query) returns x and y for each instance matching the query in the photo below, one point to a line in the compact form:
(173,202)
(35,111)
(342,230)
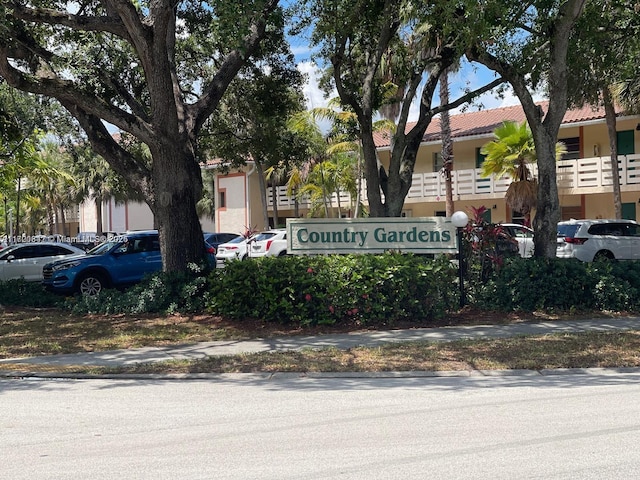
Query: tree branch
(67,91)
(231,65)
(137,174)
(75,22)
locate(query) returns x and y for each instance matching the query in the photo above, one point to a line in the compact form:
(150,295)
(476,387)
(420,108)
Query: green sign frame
(424,235)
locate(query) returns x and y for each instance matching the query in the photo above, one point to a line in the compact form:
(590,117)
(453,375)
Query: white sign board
(371,235)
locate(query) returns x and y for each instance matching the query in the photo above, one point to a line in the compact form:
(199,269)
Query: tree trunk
(51,219)
(18,208)
(274,200)
(548,208)
(63,221)
(447,143)
(356,212)
(99,226)
(372,172)
(177,186)
(610,115)
(262,183)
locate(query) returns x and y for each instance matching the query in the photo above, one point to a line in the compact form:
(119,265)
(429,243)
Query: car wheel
(91,284)
(603,255)
(282,253)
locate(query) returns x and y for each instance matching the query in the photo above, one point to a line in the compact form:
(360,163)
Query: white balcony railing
(584,175)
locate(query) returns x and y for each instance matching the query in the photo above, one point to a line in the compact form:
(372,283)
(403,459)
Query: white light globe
(459,219)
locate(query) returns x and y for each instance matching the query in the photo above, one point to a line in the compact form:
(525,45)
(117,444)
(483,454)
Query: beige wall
(233,217)
(594,142)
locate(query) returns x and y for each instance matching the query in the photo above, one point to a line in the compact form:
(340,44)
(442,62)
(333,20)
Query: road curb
(274,376)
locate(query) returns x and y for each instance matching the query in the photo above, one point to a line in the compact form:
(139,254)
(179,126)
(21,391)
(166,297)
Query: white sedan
(523,235)
(26,260)
(235,249)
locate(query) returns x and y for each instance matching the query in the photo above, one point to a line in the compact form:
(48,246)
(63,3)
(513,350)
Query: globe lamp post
(460,220)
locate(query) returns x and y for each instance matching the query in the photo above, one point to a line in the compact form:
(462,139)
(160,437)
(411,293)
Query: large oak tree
(528,44)
(155,69)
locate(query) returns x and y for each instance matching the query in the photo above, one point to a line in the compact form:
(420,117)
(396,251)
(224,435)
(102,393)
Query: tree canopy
(156,70)
(390,53)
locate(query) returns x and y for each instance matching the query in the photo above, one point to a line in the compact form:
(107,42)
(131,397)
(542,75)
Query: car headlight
(65,266)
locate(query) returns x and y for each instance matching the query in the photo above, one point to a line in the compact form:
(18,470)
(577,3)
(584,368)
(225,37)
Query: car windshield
(568,230)
(104,247)
(238,239)
(263,236)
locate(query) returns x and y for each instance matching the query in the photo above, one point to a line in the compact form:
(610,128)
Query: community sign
(371,235)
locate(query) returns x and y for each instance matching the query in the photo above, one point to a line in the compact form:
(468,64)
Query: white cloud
(313,95)
(468,77)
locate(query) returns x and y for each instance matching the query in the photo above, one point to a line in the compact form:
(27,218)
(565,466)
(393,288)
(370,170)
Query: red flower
(307,297)
(309,270)
(331,309)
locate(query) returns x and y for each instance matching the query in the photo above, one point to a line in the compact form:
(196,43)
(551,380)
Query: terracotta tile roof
(484,122)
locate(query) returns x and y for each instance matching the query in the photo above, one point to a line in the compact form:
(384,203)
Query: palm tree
(627,92)
(344,138)
(510,153)
(50,181)
(275,175)
(319,187)
(206,205)
(96,181)
(447,143)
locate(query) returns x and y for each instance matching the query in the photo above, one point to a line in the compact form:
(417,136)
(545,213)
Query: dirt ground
(466,316)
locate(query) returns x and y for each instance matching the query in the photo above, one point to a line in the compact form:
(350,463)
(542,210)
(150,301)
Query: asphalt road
(240,427)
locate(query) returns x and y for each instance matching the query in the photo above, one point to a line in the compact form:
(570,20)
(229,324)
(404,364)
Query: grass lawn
(29,332)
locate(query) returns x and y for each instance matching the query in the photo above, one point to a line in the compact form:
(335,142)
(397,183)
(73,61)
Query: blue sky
(468,77)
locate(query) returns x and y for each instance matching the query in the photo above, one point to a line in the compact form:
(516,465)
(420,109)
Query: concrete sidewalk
(53,363)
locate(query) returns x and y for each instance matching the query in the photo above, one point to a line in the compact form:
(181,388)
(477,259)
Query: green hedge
(27,294)
(327,289)
(563,284)
(357,289)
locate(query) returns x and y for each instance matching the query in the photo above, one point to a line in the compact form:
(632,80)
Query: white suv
(272,243)
(590,240)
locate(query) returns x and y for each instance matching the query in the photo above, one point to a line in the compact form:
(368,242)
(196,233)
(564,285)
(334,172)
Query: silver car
(25,260)
(589,240)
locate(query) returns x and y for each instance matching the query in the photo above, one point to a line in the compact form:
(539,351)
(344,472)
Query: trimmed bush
(310,290)
(562,284)
(159,293)
(27,294)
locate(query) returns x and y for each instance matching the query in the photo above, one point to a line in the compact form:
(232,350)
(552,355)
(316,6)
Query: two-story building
(583,175)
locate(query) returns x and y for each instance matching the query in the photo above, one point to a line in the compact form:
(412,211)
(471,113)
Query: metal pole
(461,267)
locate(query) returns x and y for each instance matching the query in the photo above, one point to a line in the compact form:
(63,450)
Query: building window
(479,158)
(517,217)
(573,148)
(222,199)
(626,142)
(569,212)
(437,161)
